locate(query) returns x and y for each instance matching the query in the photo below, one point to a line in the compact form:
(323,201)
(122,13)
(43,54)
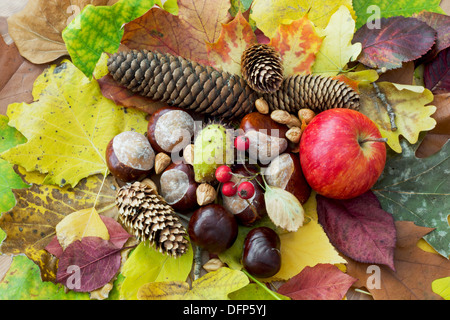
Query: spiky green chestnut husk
(213,147)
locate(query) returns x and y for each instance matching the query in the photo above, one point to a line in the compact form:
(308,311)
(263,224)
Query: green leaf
(253,291)
(418,190)
(23,282)
(387,8)
(98,29)
(9,138)
(146,264)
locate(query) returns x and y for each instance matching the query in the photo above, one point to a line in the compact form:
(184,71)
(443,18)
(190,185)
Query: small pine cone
(149,217)
(182,83)
(262,68)
(314,92)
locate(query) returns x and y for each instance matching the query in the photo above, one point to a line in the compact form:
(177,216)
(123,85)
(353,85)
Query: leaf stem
(262,285)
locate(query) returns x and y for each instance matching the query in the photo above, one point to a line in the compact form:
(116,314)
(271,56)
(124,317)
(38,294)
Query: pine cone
(182,83)
(261,68)
(149,217)
(314,92)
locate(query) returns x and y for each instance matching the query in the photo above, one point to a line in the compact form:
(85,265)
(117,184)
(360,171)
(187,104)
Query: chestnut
(178,186)
(129,156)
(170,129)
(213,228)
(246,211)
(261,256)
(267,137)
(286,173)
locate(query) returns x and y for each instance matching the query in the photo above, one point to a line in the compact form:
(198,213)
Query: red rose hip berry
(246,190)
(229,189)
(241,143)
(223,173)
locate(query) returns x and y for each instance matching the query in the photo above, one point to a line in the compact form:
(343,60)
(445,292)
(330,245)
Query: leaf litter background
(415,176)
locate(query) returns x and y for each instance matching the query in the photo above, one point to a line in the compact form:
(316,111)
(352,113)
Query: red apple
(342,153)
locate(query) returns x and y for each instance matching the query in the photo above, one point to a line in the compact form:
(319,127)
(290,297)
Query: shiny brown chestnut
(129,156)
(213,228)
(170,129)
(261,256)
(178,186)
(246,211)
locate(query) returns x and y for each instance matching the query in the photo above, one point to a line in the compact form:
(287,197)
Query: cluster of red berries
(224,173)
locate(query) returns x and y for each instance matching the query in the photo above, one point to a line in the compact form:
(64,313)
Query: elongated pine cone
(314,92)
(262,68)
(149,217)
(182,83)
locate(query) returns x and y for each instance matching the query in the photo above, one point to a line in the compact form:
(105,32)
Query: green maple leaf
(98,29)
(418,190)
(365,9)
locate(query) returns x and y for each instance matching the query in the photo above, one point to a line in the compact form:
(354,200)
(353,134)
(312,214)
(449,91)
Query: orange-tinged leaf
(298,44)
(235,37)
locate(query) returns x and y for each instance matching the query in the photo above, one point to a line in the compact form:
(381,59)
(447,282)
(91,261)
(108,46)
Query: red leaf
(359,228)
(436,74)
(398,40)
(321,282)
(440,23)
(88,264)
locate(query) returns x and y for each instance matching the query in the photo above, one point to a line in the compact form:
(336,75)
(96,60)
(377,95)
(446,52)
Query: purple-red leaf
(88,264)
(321,282)
(437,73)
(398,40)
(440,23)
(359,228)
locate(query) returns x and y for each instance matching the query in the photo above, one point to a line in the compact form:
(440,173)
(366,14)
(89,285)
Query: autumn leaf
(254,291)
(410,106)
(320,282)
(417,189)
(23,282)
(68,126)
(441,24)
(89,255)
(359,228)
(442,287)
(437,73)
(366,11)
(297,43)
(215,285)
(30,225)
(268,14)
(415,269)
(394,42)
(99,29)
(37,28)
(184,35)
(145,264)
(9,138)
(337,49)
(236,36)
(80,224)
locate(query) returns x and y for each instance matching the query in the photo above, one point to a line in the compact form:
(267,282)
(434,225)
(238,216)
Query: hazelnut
(206,194)
(284,117)
(213,264)
(306,115)
(262,106)
(188,154)
(294,134)
(162,160)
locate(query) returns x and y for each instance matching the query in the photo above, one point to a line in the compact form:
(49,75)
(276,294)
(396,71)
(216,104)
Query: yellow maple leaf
(269,14)
(337,48)
(80,224)
(410,105)
(68,126)
(215,285)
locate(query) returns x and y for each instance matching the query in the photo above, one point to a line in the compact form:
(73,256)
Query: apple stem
(373,140)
